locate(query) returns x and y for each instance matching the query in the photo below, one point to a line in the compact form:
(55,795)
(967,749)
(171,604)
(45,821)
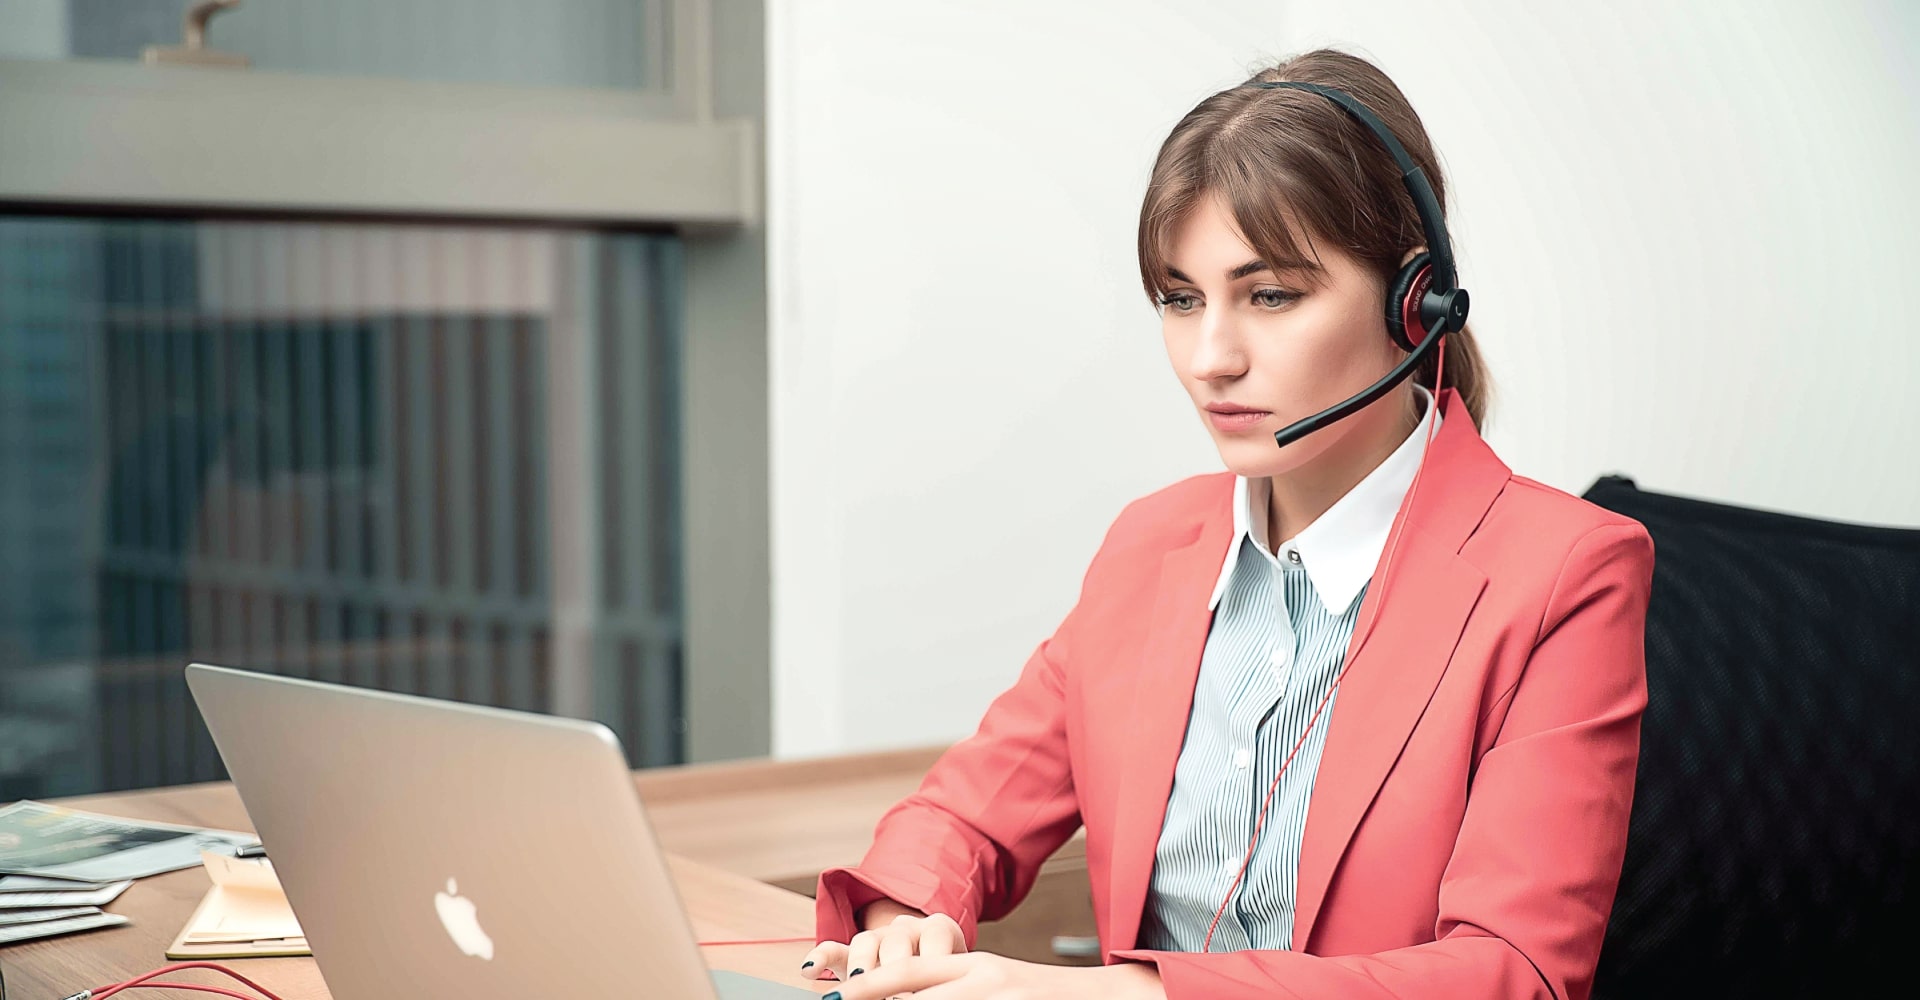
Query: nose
(1217,351)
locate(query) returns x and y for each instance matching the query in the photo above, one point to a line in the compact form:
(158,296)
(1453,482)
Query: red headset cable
(1386,574)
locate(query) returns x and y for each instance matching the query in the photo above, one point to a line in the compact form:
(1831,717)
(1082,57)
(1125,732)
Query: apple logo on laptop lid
(458,916)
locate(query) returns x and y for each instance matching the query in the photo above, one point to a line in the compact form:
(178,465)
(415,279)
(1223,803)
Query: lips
(1237,421)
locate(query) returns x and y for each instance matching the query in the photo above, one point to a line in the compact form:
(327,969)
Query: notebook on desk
(448,851)
(243,915)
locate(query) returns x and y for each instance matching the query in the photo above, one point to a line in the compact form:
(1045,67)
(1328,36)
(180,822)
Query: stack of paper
(35,907)
(244,914)
(57,842)
(62,865)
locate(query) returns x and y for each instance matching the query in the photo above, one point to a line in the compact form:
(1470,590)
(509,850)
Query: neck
(1298,498)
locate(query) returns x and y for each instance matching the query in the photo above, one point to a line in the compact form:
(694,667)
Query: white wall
(968,384)
(33,29)
(1731,184)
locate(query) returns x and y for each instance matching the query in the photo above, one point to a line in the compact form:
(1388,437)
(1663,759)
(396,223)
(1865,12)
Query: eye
(1179,302)
(1273,298)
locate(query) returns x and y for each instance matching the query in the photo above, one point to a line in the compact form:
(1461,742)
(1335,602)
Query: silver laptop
(433,849)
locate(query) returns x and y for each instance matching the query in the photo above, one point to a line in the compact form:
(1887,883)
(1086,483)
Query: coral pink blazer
(1466,828)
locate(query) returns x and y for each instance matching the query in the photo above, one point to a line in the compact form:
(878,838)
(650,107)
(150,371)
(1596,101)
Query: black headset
(1425,301)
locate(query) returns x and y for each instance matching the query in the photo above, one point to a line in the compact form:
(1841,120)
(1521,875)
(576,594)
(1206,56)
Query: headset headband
(1432,221)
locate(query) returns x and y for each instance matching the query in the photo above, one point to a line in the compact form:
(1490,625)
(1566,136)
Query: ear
(1411,254)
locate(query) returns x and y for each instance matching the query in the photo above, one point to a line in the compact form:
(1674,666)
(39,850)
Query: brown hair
(1272,153)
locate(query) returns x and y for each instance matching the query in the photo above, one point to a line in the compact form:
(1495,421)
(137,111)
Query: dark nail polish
(806,965)
(835,995)
(854,973)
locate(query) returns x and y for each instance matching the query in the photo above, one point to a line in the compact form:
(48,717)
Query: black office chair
(1775,844)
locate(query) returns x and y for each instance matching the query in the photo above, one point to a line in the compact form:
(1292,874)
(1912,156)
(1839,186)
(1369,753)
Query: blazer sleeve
(1525,896)
(970,841)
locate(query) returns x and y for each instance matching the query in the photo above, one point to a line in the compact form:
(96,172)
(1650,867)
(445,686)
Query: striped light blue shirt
(1281,623)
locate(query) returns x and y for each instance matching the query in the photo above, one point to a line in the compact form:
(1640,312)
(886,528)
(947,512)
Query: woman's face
(1285,345)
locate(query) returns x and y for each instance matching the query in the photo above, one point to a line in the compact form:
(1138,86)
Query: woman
(1293,784)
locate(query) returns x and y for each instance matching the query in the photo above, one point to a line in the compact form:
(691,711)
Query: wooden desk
(723,905)
(784,822)
(780,822)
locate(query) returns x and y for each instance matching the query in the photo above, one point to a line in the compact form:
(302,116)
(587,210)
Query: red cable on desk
(223,991)
(149,980)
(146,981)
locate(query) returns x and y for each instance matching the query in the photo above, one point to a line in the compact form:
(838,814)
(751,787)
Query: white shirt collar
(1341,547)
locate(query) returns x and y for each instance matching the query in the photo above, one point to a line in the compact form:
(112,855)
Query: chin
(1254,455)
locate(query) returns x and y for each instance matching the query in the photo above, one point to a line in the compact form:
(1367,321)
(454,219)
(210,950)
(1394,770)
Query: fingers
(863,954)
(906,976)
(825,956)
(899,940)
(940,935)
(896,943)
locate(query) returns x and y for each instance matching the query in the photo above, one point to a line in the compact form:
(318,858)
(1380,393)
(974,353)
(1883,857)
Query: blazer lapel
(1162,699)
(1395,661)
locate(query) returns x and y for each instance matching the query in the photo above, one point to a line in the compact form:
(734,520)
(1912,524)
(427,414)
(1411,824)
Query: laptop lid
(440,850)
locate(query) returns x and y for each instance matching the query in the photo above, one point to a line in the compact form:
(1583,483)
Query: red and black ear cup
(1404,296)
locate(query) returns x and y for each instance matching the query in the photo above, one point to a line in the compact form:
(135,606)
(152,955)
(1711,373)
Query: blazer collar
(1392,672)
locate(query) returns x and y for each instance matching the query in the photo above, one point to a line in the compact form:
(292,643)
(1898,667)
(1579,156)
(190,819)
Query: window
(434,459)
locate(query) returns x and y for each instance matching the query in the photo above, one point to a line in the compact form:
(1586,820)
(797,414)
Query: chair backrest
(1775,844)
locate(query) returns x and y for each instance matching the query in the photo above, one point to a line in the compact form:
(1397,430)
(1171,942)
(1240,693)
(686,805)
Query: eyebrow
(1236,274)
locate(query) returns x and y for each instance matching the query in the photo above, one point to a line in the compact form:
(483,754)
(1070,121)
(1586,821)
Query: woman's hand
(986,976)
(894,932)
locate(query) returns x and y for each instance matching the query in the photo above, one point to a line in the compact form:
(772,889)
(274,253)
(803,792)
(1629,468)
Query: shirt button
(1231,868)
(1241,758)
(1293,556)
